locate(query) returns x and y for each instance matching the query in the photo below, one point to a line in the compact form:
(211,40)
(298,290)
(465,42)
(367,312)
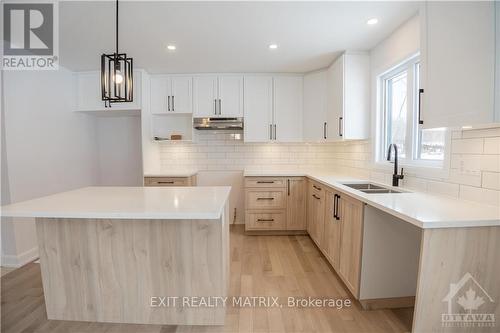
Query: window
(399,118)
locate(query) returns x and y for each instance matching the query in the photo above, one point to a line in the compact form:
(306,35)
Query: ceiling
(224,36)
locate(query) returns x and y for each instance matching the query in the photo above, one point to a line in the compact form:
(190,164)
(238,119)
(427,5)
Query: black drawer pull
(265,198)
(318,188)
(265,220)
(164,182)
(265,182)
(316,197)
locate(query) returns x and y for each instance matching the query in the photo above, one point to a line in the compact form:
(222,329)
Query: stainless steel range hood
(214,124)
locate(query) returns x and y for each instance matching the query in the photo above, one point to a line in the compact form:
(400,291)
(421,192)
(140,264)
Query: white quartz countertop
(173,173)
(424,210)
(127,203)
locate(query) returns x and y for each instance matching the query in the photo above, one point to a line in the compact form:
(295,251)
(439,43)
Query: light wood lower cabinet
(275,203)
(170,181)
(296,205)
(316,212)
(265,220)
(351,218)
(333,230)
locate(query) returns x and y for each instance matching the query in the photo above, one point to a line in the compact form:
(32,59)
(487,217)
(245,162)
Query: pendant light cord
(117,28)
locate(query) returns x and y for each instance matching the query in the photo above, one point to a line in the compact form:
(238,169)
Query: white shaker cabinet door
(288,105)
(457,63)
(205,96)
(258,108)
(160,94)
(335,100)
(181,94)
(230,99)
(314,113)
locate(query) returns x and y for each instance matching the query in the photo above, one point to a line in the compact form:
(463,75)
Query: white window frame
(412,141)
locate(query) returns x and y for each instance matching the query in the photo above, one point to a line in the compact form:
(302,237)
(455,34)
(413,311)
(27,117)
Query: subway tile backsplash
(474,164)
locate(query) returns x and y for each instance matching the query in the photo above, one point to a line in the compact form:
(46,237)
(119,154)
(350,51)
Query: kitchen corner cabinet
(348,98)
(316,212)
(457,63)
(350,212)
(314,113)
(275,204)
(171,94)
(89,93)
(273,108)
(218,96)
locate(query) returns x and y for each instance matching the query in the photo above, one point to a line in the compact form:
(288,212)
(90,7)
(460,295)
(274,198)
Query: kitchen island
(117,254)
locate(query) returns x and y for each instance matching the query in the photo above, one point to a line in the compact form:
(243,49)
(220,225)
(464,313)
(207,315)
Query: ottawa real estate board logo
(30,36)
(468,305)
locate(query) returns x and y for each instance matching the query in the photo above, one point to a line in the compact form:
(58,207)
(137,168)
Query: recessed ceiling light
(372,21)
(171,47)
(273,46)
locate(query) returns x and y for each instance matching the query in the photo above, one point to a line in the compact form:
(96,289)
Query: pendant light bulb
(118,77)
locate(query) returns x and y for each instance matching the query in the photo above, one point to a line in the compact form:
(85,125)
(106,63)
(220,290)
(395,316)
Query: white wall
(403,43)
(47,148)
(119,145)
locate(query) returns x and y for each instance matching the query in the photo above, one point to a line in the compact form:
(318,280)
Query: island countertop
(105,202)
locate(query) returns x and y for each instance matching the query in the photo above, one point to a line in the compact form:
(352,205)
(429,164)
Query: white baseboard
(19,260)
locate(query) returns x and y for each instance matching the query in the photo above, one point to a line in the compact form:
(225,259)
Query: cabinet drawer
(265,182)
(166,181)
(316,188)
(265,220)
(265,199)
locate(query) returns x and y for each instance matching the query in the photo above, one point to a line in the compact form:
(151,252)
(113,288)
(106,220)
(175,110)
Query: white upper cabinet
(205,96)
(89,93)
(314,113)
(258,108)
(288,105)
(348,98)
(230,96)
(457,63)
(273,108)
(218,96)
(171,94)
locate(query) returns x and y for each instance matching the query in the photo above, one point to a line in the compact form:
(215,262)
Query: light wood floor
(260,266)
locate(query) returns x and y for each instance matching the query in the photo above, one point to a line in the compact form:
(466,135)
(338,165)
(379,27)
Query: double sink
(371,188)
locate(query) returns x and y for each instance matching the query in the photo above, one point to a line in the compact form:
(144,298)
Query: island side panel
(107,270)
(447,256)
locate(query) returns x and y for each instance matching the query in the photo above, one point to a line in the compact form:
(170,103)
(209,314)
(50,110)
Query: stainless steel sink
(371,188)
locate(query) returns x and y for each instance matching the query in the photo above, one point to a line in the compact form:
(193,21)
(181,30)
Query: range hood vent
(218,124)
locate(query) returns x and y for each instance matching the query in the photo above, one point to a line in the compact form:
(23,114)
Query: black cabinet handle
(215,106)
(270,131)
(318,188)
(420,92)
(337,217)
(165,182)
(220,107)
(265,198)
(288,186)
(315,196)
(334,206)
(168,102)
(173,103)
(265,220)
(341,122)
(265,182)
(324,130)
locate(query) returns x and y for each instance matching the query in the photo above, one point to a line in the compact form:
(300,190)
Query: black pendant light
(117,75)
